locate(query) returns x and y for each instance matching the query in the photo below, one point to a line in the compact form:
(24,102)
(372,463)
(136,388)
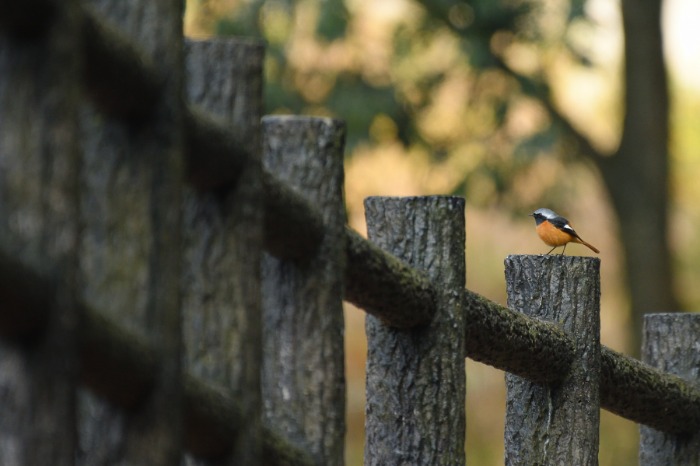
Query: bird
(555,230)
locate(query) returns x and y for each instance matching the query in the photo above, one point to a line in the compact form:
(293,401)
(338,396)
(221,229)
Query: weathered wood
(303,379)
(510,341)
(671,344)
(39,164)
(643,394)
(119,77)
(532,349)
(215,159)
(107,353)
(293,227)
(557,423)
(386,287)
(415,377)
(223,238)
(132,176)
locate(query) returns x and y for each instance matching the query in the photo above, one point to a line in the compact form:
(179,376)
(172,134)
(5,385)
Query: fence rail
(124,83)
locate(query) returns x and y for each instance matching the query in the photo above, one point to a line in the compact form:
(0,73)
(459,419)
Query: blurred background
(588,107)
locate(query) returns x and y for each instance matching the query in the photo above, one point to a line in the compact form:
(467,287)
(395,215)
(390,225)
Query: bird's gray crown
(546,213)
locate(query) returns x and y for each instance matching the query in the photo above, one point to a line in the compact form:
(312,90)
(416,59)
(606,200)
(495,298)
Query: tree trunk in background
(637,175)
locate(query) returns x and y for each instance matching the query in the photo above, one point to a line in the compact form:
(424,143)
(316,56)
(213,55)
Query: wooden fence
(172,269)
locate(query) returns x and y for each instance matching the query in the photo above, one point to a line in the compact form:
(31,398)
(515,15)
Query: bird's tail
(588,245)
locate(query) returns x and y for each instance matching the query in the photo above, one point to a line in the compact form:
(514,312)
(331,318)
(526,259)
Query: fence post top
(237,40)
(672,316)
(302,119)
(551,259)
(459,201)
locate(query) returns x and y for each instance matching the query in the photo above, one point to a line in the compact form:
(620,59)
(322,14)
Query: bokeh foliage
(448,78)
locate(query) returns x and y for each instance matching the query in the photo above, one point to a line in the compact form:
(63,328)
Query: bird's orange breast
(552,235)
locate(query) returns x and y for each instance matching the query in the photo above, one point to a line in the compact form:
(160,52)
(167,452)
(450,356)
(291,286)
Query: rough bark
(508,340)
(557,423)
(643,394)
(415,377)
(223,242)
(39,165)
(303,380)
(670,344)
(385,286)
(119,78)
(131,249)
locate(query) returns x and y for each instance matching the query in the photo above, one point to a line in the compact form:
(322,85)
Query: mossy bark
(556,423)
(223,243)
(132,179)
(671,344)
(303,379)
(416,377)
(40,75)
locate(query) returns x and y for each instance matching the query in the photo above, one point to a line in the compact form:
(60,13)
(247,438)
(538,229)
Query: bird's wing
(563,224)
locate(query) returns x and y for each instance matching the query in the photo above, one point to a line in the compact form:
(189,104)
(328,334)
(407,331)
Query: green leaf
(333,20)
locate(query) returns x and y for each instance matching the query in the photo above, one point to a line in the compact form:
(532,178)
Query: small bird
(555,230)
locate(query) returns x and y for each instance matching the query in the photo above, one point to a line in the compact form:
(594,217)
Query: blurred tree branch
(540,91)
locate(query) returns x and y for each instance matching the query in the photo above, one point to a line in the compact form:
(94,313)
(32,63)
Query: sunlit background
(430,111)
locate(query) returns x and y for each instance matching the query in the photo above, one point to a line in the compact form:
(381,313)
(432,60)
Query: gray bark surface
(385,286)
(223,242)
(131,249)
(119,78)
(558,423)
(671,344)
(303,380)
(39,160)
(628,386)
(510,341)
(415,377)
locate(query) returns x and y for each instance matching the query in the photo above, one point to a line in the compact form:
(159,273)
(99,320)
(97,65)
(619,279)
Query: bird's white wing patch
(567,228)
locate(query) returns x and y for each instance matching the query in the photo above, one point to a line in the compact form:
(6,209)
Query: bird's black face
(539,218)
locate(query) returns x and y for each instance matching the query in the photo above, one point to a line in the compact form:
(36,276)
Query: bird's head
(543,214)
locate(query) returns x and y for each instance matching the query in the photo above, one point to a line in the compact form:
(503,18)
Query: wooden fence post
(131,249)
(223,242)
(40,75)
(416,378)
(671,344)
(303,379)
(556,424)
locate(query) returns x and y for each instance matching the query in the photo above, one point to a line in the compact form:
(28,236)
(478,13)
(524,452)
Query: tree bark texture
(416,377)
(223,243)
(303,380)
(385,286)
(39,160)
(556,424)
(510,341)
(670,344)
(131,250)
(637,175)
